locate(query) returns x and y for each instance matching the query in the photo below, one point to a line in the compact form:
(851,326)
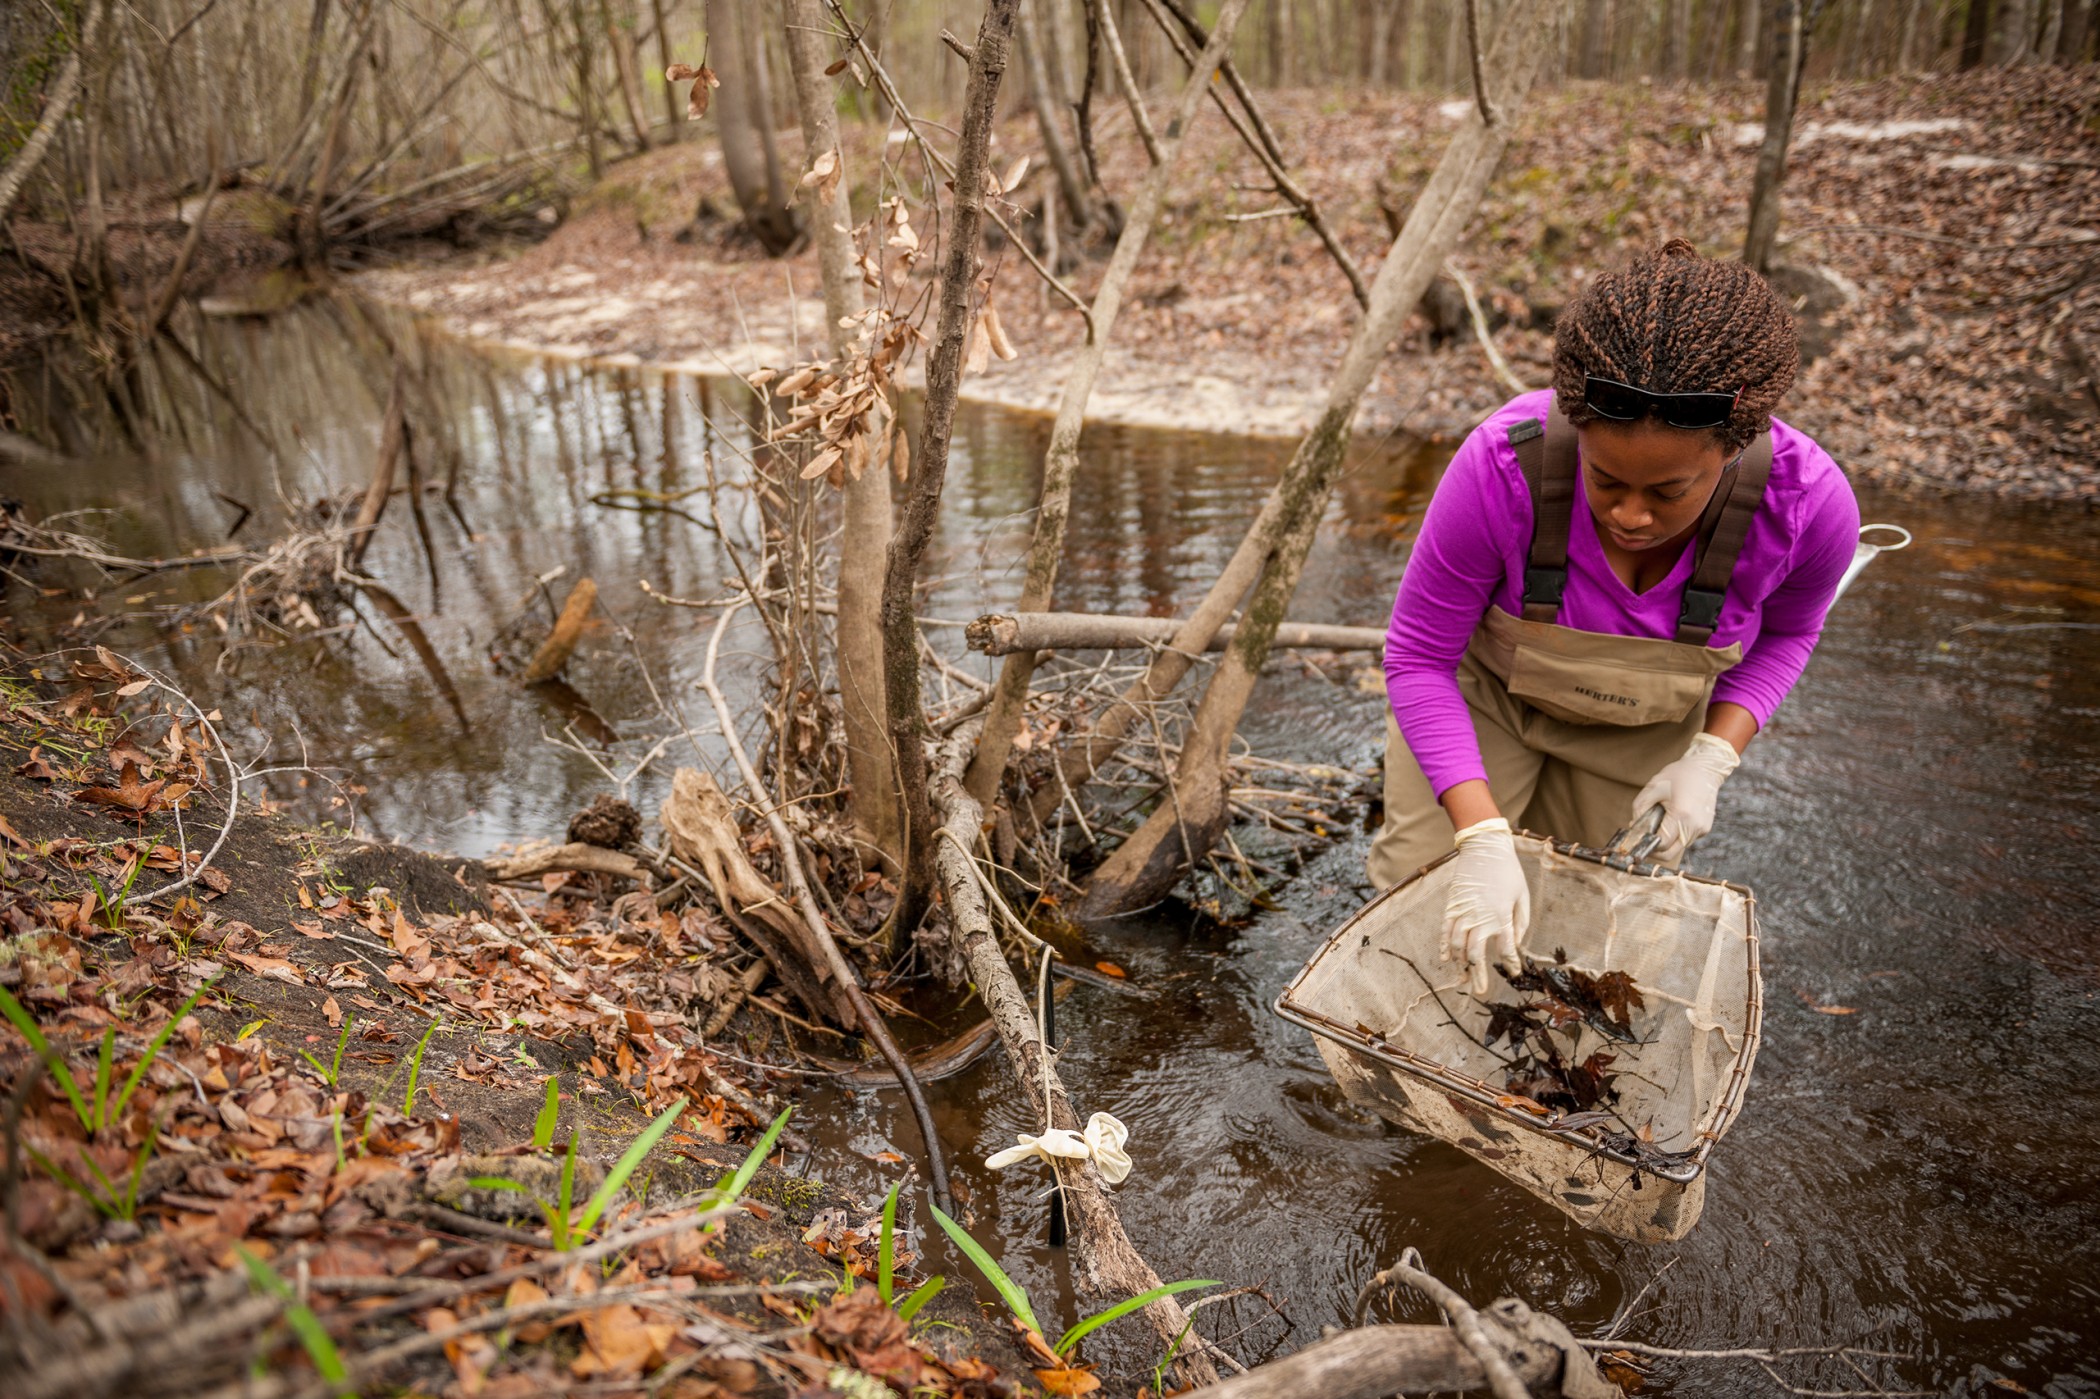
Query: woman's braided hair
(1671,321)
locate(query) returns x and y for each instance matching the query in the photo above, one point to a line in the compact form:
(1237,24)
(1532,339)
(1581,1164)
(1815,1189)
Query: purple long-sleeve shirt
(1470,555)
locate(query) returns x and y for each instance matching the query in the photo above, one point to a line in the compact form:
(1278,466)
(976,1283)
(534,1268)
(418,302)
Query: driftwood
(1374,1361)
(1003,633)
(1107,1267)
(554,652)
(702,829)
(585,859)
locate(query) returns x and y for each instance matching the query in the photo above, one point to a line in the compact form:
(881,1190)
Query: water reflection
(1917,823)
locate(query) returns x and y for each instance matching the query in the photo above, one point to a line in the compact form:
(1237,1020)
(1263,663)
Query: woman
(1617,582)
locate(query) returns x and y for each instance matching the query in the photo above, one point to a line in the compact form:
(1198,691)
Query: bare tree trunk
(746,127)
(1061,460)
(1184,826)
(865,537)
(1789,51)
(2047,30)
(1976,33)
(929,465)
(1596,37)
(1057,46)
(1049,107)
(1283,67)
(2070,42)
(621,36)
(672,112)
(1907,39)
(2012,31)
(63,93)
(1748,13)
(1382,40)
(1676,39)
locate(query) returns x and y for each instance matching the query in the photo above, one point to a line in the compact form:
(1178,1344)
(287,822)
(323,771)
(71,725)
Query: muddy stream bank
(1914,1162)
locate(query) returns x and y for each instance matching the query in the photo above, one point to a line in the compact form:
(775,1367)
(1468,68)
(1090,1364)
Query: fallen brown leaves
(1956,363)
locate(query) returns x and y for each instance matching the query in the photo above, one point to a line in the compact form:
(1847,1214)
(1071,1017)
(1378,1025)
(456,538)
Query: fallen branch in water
(1004,633)
(1109,1267)
(576,856)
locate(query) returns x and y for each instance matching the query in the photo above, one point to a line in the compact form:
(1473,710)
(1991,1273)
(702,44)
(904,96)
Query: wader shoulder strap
(1547,454)
(1722,530)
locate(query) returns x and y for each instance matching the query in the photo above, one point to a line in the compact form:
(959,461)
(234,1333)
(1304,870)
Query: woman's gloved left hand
(1688,790)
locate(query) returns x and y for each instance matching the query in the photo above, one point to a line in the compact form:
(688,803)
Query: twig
(1465,1321)
(947,168)
(1480,325)
(1488,115)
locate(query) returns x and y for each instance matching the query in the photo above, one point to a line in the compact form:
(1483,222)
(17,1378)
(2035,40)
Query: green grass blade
(335,1070)
(550,1114)
(105,1070)
(1146,1298)
(154,1047)
(23,1021)
(497,1183)
(130,1202)
(886,1251)
(741,1181)
(558,1218)
(625,1166)
(68,1180)
(415,1067)
(320,1347)
(922,1294)
(1009,1291)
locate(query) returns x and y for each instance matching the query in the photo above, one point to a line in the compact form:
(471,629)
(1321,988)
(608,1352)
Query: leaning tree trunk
(864,540)
(1193,812)
(960,259)
(745,126)
(25,161)
(1789,49)
(1061,460)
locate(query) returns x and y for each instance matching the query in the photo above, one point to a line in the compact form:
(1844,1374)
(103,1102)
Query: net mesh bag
(1689,945)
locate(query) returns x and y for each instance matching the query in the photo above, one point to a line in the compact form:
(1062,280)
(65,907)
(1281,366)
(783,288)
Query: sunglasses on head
(1624,403)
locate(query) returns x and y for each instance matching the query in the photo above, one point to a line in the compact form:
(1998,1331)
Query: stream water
(1915,1166)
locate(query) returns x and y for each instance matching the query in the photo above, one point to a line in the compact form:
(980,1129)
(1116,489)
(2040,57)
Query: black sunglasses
(1624,403)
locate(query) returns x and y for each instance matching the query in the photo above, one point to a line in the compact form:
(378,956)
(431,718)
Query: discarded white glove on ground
(1688,789)
(1102,1141)
(1489,908)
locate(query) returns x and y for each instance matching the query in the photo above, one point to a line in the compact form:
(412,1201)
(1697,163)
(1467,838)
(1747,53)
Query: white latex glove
(1103,1141)
(1688,789)
(1489,909)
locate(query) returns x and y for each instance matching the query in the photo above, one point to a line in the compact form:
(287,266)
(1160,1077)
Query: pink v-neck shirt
(1470,555)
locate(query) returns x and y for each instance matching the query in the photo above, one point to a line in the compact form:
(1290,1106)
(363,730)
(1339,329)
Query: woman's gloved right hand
(1489,908)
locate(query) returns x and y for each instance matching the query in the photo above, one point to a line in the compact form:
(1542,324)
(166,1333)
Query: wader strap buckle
(1702,609)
